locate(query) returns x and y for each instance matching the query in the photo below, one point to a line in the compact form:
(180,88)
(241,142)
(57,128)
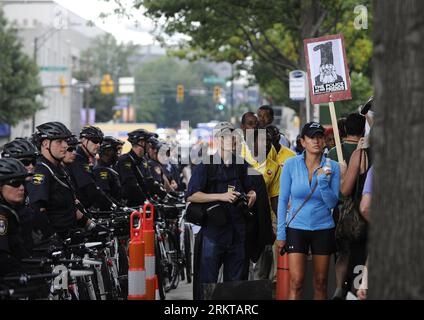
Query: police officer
(107,179)
(155,167)
(12,195)
(171,166)
(50,193)
(26,152)
(81,170)
(133,170)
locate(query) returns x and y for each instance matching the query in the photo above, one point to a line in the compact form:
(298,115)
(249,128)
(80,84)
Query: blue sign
(4,130)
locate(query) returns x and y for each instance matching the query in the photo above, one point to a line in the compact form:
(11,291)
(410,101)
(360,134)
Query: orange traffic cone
(157,295)
(136,271)
(149,254)
(283,276)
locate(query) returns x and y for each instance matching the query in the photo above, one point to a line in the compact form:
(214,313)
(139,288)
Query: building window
(34,22)
(25,22)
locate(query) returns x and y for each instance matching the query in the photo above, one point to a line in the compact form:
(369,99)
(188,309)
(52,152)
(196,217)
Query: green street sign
(54,68)
(213,80)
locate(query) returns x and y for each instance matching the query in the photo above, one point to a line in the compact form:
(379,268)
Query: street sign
(123,101)
(126,85)
(328,73)
(53,68)
(297,85)
(213,80)
(198,92)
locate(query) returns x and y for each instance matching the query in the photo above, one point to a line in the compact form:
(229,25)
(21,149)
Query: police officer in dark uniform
(155,167)
(133,170)
(12,195)
(81,171)
(107,179)
(26,152)
(50,193)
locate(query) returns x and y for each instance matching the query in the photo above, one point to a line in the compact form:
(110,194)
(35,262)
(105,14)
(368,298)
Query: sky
(136,30)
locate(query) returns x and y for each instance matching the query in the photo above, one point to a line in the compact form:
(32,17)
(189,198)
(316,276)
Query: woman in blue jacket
(312,227)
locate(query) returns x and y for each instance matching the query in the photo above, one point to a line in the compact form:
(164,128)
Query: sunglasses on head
(71,149)
(96,140)
(27,161)
(15,183)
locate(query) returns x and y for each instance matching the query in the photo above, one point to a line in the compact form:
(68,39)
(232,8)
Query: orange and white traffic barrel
(136,271)
(283,276)
(149,254)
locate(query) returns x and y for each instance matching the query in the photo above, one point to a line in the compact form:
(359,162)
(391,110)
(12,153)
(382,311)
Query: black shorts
(320,242)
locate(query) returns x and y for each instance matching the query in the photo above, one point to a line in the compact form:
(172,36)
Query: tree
(265,36)
(156,93)
(105,56)
(397,238)
(19,82)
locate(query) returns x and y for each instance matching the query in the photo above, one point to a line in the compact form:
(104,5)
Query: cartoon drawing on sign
(327,70)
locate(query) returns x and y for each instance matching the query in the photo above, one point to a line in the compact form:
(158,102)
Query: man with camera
(225,184)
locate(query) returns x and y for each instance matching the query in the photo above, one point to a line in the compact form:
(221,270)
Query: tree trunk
(397,230)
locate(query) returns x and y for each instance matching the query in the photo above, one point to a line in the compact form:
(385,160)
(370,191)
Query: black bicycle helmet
(139,134)
(19,148)
(155,143)
(73,141)
(11,168)
(52,131)
(91,132)
(110,142)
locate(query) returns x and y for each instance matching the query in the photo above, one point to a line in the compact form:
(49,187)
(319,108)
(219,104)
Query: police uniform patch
(127,165)
(158,171)
(145,164)
(104,175)
(86,167)
(38,178)
(3,225)
(269,172)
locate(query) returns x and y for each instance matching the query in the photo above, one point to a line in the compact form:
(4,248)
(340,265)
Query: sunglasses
(71,149)
(26,162)
(15,183)
(96,140)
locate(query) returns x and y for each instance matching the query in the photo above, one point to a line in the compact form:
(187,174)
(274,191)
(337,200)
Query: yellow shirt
(246,154)
(284,154)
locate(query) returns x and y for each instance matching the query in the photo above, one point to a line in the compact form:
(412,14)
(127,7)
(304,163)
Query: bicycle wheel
(159,270)
(187,253)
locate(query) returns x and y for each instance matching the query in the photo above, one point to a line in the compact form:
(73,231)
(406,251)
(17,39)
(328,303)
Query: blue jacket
(294,183)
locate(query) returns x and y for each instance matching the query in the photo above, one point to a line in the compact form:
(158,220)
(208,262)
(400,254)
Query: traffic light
(180,93)
(216,94)
(62,84)
(107,85)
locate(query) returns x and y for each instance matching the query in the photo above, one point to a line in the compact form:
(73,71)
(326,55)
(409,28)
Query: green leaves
(19,83)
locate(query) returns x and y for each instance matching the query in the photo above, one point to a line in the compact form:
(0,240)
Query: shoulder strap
(54,176)
(303,203)
(11,211)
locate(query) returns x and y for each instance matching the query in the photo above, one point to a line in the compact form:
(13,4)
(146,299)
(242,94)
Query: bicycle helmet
(52,131)
(73,141)
(110,142)
(155,143)
(11,168)
(91,132)
(19,148)
(139,134)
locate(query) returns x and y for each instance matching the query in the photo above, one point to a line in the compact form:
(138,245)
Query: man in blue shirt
(223,243)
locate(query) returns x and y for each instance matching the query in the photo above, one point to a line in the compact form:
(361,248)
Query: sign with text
(327,69)
(297,85)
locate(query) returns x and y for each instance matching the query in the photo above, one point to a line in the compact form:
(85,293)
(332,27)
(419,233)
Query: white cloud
(136,29)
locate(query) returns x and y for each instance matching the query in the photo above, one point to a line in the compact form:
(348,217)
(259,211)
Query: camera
(242,201)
